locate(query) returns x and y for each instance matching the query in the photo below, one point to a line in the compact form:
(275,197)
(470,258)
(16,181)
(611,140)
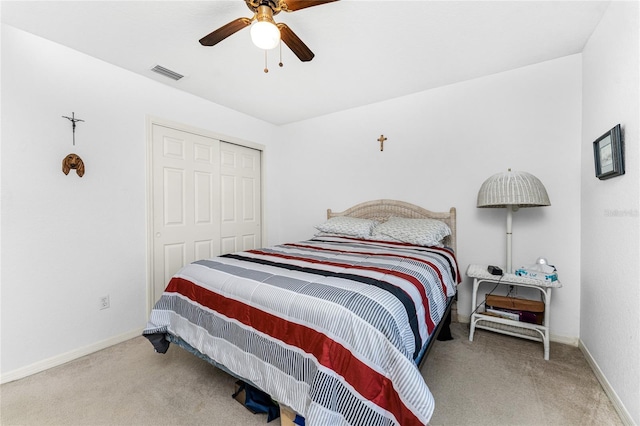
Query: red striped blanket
(330,327)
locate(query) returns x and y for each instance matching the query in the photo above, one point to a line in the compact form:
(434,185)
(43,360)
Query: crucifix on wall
(381,139)
(73,121)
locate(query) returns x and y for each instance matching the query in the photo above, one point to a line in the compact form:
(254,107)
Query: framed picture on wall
(608,154)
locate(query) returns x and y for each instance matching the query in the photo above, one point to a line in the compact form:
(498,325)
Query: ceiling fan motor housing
(264,13)
(274,6)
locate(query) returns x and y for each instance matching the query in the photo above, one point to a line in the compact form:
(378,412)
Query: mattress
(331,327)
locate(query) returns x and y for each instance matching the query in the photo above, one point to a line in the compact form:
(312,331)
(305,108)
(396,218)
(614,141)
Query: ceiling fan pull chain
(280,63)
(266,70)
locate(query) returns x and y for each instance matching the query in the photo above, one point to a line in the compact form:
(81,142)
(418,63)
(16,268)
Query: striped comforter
(330,327)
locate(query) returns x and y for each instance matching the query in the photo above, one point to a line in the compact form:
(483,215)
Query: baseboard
(571,341)
(66,357)
(625,416)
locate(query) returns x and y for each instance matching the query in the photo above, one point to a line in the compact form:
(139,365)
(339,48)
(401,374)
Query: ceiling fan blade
(225,31)
(294,43)
(301,4)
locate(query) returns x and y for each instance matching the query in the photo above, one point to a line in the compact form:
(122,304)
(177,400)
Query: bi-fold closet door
(205,200)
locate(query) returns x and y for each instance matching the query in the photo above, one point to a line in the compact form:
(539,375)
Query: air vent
(167,72)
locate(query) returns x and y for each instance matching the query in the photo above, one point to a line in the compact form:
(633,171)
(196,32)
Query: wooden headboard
(381,210)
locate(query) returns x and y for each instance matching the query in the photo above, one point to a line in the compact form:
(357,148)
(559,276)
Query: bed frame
(381,210)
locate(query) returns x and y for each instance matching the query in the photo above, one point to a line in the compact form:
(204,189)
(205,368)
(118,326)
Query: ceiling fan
(265,33)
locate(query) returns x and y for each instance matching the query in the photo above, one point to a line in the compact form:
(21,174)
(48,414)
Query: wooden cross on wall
(381,139)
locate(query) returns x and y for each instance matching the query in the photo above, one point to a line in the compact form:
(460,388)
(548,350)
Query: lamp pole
(510,210)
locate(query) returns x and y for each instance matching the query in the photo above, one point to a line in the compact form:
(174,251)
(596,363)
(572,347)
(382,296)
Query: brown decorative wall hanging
(73,162)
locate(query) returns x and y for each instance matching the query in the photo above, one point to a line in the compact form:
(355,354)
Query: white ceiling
(366,51)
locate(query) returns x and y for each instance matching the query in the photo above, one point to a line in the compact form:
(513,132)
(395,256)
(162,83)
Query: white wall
(610,302)
(442,144)
(66,240)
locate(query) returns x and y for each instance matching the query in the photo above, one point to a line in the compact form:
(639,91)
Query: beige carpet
(496,380)
(503,380)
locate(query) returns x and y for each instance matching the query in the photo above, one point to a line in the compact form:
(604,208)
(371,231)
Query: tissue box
(537,275)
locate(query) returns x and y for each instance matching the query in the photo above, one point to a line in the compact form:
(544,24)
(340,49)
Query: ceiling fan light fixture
(264,32)
(265,35)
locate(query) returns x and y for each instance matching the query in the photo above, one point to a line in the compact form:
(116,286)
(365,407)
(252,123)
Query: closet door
(205,200)
(241,212)
(186,206)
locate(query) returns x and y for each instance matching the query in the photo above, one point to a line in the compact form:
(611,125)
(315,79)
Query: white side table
(539,333)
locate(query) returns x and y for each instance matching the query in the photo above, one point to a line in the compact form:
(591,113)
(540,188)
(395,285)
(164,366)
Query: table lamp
(512,190)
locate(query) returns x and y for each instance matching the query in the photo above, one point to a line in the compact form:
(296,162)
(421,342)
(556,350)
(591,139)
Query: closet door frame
(150,122)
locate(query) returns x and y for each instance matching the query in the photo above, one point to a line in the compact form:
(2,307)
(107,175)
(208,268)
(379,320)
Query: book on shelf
(530,311)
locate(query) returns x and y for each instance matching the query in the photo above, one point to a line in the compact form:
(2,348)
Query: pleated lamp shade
(519,189)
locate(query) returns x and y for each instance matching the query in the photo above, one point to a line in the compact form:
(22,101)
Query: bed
(335,327)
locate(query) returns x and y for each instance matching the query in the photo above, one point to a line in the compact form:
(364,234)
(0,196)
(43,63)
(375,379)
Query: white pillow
(345,225)
(382,237)
(423,232)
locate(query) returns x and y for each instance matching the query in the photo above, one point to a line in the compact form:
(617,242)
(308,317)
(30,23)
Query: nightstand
(537,332)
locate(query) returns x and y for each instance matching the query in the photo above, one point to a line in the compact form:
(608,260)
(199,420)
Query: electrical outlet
(104,302)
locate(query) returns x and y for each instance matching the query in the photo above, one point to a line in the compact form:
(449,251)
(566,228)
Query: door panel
(249,199)
(174,259)
(228,201)
(228,245)
(240,177)
(203,198)
(173,192)
(204,249)
(186,223)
